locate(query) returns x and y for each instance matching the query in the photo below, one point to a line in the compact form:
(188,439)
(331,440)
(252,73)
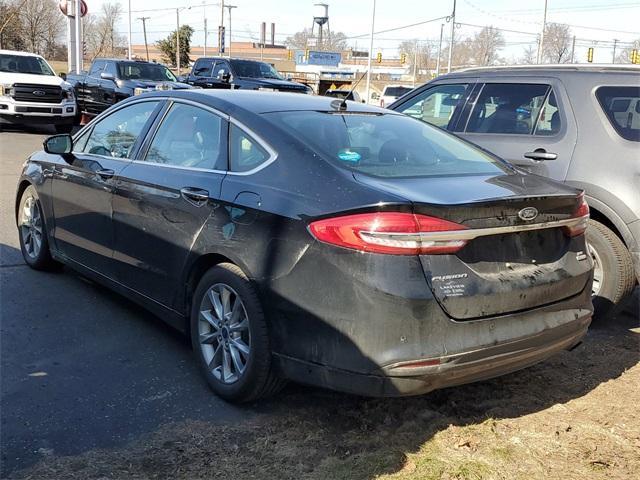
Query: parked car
(109,81)
(344,95)
(576,124)
(391,92)
(32,94)
(352,248)
(235,73)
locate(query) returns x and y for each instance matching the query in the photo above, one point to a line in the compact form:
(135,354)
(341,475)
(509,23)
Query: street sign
(327,59)
(67,7)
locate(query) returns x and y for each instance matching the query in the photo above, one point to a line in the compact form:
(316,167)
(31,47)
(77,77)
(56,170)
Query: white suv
(32,94)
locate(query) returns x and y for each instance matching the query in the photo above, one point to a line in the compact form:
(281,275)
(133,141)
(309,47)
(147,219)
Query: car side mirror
(59,144)
(62,75)
(107,76)
(224,76)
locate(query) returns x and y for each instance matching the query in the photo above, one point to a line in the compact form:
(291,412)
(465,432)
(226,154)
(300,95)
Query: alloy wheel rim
(598,271)
(223,333)
(31,227)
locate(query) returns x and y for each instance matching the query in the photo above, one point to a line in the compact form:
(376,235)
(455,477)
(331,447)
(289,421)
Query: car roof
(254,101)
(21,54)
(227,58)
(547,69)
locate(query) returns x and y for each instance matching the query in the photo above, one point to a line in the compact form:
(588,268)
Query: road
(84,369)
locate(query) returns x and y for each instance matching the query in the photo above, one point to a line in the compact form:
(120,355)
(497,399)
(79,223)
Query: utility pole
(78,23)
(129,37)
(373,22)
(615,44)
(205,38)
(415,62)
(544,26)
(220,30)
(230,7)
(453,26)
(144,30)
(178,39)
(573,49)
(439,50)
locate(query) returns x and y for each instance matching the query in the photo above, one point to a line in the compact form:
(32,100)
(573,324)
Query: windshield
(24,64)
(387,145)
(395,91)
(145,71)
(246,68)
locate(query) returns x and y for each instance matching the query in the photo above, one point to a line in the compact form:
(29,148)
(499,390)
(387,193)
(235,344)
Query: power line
(397,28)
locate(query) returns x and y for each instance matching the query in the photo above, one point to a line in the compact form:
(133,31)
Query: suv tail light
(388,233)
(581,212)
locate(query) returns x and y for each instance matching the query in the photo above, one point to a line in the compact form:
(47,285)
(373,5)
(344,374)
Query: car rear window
(622,107)
(387,145)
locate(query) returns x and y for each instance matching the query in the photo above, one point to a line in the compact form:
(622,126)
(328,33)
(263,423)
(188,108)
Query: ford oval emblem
(39,93)
(528,213)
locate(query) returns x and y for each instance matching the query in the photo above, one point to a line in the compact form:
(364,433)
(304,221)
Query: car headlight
(68,94)
(5,90)
(267,89)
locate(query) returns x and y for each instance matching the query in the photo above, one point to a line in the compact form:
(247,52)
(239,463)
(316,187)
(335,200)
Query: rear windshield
(145,71)
(387,145)
(24,64)
(395,91)
(622,106)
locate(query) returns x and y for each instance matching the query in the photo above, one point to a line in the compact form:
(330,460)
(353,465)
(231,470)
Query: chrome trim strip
(471,233)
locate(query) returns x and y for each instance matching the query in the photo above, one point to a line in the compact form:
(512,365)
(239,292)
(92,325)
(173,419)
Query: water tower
(320,18)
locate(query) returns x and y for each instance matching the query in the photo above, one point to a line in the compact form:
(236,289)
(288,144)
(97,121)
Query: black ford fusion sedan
(311,239)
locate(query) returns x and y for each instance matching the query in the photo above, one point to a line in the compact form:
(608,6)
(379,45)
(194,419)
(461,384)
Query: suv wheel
(613,276)
(230,338)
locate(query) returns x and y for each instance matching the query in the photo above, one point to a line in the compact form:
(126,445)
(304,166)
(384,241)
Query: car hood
(153,84)
(273,83)
(8,78)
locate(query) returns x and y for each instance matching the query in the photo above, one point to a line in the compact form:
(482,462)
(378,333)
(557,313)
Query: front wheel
(230,338)
(32,232)
(613,276)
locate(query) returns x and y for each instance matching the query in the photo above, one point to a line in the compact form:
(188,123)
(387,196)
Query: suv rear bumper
(459,369)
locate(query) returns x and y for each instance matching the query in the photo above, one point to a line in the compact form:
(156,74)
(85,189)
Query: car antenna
(343,103)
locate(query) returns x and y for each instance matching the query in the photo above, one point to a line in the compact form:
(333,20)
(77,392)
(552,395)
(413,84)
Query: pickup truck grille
(27,92)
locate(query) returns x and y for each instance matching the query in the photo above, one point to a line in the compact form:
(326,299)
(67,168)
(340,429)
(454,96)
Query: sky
(594,22)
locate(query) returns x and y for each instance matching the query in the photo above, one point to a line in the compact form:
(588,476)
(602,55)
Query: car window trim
(153,130)
(535,126)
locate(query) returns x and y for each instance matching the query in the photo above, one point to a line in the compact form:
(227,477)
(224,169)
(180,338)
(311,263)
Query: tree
(528,56)
(10,25)
(42,26)
(485,46)
(557,43)
(335,42)
(462,54)
(625,54)
(100,33)
(168,46)
(422,55)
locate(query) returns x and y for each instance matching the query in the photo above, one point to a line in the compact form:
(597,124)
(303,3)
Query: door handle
(106,173)
(540,154)
(196,196)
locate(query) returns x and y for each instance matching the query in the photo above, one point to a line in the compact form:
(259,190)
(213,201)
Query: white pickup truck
(32,94)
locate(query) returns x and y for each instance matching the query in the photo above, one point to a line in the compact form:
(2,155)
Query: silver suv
(577,124)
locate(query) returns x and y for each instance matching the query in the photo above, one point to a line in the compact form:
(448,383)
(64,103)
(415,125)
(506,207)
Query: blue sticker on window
(349,156)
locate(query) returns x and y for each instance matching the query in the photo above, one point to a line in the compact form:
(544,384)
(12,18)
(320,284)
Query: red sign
(83,7)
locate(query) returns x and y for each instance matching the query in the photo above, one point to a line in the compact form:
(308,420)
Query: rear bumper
(458,369)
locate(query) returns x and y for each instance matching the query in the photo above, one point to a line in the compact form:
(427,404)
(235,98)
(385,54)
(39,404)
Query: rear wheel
(613,276)
(230,338)
(31,230)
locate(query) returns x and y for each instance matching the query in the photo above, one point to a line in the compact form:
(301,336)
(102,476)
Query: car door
(82,188)
(108,87)
(93,102)
(527,121)
(438,103)
(165,197)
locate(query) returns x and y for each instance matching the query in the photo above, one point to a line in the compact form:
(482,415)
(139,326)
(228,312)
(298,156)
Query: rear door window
(549,119)
(622,107)
(220,66)
(245,152)
(436,105)
(507,108)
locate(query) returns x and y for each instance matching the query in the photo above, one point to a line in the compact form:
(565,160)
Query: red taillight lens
(581,212)
(388,232)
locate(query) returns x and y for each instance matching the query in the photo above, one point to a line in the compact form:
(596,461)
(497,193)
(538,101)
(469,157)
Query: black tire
(64,128)
(618,278)
(41,260)
(258,379)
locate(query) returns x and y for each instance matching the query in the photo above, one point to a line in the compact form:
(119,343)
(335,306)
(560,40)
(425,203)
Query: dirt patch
(574,416)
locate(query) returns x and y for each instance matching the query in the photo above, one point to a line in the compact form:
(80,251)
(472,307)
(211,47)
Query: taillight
(389,232)
(581,212)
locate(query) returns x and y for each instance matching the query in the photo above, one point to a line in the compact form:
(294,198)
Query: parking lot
(95,387)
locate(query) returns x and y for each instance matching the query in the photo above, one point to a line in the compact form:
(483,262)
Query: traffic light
(379,57)
(635,56)
(403,58)
(590,55)
(306,55)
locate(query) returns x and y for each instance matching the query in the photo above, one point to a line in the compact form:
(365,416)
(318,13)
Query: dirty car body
(391,258)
